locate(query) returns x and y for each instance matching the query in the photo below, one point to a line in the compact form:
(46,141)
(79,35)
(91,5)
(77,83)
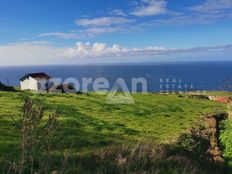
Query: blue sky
(87,31)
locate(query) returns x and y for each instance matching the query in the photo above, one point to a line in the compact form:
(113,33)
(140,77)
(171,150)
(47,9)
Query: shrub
(37,138)
(226,140)
(4,87)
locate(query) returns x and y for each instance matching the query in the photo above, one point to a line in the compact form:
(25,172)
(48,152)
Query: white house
(35,82)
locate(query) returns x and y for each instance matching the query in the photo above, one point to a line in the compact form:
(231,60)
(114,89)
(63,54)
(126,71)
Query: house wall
(33,84)
(25,84)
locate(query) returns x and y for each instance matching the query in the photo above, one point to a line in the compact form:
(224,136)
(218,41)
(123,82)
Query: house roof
(39,76)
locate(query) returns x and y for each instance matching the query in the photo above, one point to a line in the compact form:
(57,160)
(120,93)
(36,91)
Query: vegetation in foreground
(226,141)
(89,127)
(4,87)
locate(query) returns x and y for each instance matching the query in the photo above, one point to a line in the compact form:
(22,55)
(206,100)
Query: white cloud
(34,43)
(118,12)
(151,8)
(93,31)
(102,21)
(209,11)
(95,50)
(212,6)
(61,35)
(38,53)
(190,19)
(83,33)
(29,53)
(93,27)
(103,50)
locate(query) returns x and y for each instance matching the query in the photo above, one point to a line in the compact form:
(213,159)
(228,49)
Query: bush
(37,139)
(226,140)
(6,88)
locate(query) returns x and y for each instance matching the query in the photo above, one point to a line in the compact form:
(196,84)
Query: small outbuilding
(38,82)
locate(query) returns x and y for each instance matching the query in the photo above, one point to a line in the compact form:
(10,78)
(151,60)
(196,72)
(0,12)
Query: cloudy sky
(36,32)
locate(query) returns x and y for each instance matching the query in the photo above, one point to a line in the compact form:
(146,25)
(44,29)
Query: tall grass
(36,138)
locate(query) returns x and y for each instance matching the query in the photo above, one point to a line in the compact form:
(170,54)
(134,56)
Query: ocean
(159,76)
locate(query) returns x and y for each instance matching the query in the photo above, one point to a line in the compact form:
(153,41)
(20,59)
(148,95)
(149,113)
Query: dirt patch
(212,132)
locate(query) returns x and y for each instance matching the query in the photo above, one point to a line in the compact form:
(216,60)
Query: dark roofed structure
(40,75)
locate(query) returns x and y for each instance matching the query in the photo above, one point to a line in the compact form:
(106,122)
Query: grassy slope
(154,118)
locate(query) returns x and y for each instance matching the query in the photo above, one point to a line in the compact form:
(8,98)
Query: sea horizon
(122,63)
(202,75)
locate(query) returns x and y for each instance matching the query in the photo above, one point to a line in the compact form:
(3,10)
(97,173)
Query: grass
(226,141)
(153,119)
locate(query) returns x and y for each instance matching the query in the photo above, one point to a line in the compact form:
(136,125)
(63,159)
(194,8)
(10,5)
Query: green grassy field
(87,123)
(153,118)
